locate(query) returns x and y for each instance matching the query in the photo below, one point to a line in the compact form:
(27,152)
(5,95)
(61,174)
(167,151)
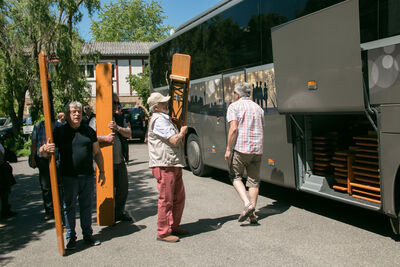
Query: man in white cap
(245,147)
(166,161)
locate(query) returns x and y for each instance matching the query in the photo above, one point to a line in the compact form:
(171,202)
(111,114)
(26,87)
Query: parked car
(5,127)
(138,122)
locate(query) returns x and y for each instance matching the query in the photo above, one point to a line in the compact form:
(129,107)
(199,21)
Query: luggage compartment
(338,156)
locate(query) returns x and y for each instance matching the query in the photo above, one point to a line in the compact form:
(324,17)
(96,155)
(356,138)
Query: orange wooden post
(104,98)
(52,164)
(179,88)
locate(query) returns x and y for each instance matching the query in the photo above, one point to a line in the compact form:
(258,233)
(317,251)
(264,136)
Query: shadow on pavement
(118,230)
(368,220)
(29,224)
(207,225)
(142,198)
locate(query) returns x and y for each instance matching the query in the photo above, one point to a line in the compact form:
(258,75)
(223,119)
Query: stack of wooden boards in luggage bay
(355,170)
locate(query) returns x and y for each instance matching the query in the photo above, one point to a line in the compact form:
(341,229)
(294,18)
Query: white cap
(156,98)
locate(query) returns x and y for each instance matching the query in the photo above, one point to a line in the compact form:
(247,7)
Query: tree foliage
(26,28)
(140,83)
(130,20)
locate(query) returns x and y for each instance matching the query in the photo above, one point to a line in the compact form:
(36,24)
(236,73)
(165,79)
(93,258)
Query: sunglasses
(116,102)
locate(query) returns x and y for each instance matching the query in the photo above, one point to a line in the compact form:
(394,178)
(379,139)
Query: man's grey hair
(242,89)
(74,104)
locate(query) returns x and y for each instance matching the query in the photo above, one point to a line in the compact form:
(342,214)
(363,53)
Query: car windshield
(3,122)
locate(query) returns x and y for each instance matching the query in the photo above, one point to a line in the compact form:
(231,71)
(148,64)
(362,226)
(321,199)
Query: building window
(90,71)
(87,70)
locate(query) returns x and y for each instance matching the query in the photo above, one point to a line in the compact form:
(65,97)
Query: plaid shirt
(250,117)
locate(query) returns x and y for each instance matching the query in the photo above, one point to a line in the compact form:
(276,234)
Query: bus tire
(395,223)
(195,156)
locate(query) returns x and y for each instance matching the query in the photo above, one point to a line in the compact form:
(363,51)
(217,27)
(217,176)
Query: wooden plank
(320,153)
(367,144)
(366,155)
(342,153)
(366,138)
(366,168)
(321,164)
(340,188)
(367,174)
(367,193)
(322,159)
(319,143)
(339,158)
(368,150)
(366,180)
(104,98)
(367,199)
(338,164)
(319,138)
(52,165)
(367,162)
(365,186)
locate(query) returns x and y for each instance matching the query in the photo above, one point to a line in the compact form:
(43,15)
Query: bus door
(212,123)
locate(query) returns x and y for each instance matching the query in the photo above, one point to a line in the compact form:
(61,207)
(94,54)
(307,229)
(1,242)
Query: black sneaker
(123,217)
(71,244)
(90,241)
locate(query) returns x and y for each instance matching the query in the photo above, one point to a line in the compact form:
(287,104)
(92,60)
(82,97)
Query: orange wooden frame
(52,163)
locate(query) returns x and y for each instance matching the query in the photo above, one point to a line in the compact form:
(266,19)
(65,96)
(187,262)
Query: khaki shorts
(250,162)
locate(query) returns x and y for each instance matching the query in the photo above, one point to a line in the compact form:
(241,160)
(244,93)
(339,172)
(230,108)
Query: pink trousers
(171,199)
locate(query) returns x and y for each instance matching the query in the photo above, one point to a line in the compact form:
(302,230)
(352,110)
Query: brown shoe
(168,238)
(180,232)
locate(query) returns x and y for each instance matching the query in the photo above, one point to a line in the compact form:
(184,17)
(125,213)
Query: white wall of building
(123,72)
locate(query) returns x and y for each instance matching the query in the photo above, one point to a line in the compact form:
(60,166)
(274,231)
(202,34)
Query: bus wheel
(194,154)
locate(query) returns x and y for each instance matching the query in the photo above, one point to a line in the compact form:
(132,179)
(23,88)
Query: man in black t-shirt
(77,143)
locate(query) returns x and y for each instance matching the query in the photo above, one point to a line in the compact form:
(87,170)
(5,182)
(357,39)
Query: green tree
(130,20)
(140,83)
(26,28)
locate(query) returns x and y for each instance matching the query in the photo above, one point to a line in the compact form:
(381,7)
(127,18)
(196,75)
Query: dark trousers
(121,187)
(5,207)
(82,189)
(45,185)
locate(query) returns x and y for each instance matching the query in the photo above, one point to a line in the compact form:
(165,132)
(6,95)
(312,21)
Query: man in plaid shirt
(245,147)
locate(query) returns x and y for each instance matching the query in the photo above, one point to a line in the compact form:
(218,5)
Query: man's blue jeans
(82,188)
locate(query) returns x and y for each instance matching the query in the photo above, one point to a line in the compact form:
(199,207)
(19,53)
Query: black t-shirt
(76,149)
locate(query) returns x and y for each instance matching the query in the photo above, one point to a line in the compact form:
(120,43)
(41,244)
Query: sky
(178,12)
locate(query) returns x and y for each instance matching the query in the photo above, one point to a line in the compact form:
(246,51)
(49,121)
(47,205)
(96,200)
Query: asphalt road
(296,229)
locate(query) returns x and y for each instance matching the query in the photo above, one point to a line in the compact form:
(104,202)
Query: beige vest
(161,152)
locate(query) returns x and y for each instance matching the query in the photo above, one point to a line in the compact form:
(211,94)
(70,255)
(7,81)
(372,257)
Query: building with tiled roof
(118,48)
(126,58)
